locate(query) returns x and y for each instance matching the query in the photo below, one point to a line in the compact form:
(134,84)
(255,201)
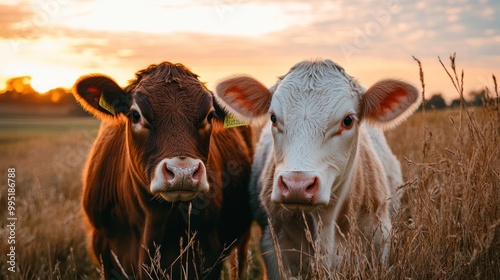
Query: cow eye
(210,116)
(136,117)
(273,118)
(347,122)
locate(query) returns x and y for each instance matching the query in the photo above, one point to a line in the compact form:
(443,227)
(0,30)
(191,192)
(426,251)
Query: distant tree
(59,95)
(455,103)
(20,84)
(480,98)
(18,91)
(436,102)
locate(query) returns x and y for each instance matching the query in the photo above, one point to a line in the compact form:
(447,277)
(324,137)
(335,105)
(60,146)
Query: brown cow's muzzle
(179,179)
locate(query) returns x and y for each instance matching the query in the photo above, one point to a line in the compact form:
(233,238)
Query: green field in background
(24,128)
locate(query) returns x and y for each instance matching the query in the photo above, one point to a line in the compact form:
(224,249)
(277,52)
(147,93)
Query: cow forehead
(169,88)
(164,99)
(319,89)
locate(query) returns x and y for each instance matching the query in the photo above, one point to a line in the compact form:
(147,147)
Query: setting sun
(41,83)
(46,77)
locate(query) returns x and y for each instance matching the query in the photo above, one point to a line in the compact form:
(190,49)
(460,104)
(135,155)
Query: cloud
(489,32)
(455,28)
(488,12)
(313,29)
(358,34)
(12,18)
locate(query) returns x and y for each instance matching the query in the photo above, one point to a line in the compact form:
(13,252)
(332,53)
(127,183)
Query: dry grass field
(449,227)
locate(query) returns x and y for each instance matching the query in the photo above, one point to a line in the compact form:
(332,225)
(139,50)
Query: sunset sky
(56,41)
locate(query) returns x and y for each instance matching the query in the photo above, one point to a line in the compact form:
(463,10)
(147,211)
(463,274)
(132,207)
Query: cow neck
(346,184)
(344,214)
(310,233)
(330,216)
(138,182)
(113,146)
(137,177)
(323,224)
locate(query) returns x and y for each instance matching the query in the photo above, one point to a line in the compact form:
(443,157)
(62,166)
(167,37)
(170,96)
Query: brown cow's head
(168,116)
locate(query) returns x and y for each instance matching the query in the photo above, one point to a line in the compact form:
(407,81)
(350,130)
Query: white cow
(318,161)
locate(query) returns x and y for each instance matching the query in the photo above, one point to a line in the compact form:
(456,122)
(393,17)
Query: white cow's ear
(244,96)
(389,102)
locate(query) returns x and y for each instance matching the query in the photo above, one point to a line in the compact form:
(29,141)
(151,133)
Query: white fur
(308,115)
(355,168)
(391,164)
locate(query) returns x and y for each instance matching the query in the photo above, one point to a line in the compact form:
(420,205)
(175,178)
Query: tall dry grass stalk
(452,193)
(50,241)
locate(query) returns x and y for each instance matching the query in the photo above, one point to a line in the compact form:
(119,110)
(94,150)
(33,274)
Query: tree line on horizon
(18,91)
(475,99)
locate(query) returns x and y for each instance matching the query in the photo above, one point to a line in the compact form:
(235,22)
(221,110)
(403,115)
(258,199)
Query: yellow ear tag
(105,105)
(231,121)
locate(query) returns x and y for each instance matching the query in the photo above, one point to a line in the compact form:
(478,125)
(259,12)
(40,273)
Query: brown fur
(122,214)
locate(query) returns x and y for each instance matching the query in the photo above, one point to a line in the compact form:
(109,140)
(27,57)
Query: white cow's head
(315,111)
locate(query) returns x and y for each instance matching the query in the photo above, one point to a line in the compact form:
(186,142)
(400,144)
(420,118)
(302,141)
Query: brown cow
(161,147)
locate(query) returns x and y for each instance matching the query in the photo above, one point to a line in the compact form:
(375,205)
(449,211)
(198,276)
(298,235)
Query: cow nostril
(282,185)
(197,172)
(313,188)
(169,174)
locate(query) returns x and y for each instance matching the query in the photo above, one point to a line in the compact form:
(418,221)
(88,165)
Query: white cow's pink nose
(297,187)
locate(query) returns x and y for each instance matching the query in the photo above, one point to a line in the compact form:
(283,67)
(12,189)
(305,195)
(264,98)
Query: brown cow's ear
(244,96)
(101,96)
